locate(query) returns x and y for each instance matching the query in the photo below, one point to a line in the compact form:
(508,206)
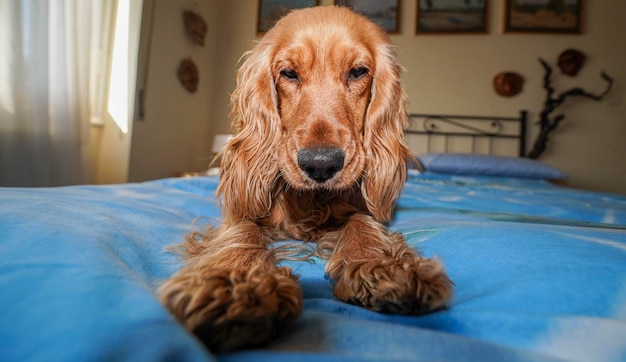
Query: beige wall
(453,74)
(174,135)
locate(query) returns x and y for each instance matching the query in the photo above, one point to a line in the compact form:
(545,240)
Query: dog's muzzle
(321,163)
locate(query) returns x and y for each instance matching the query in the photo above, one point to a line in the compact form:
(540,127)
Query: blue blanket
(540,274)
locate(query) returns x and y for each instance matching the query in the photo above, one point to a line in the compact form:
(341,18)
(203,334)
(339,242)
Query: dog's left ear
(386,152)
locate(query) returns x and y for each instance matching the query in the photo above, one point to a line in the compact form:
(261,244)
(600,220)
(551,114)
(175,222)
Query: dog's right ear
(385,148)
(249,167)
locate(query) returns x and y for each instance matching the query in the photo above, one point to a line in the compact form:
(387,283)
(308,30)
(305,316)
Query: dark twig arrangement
(549,123)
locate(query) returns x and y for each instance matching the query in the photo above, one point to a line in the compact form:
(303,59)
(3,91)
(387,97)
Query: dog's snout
(321,163)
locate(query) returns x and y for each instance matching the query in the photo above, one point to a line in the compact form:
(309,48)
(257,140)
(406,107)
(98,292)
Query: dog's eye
(356,73)
(289,74)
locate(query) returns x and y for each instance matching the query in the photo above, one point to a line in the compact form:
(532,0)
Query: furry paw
(230,309)
(407,285)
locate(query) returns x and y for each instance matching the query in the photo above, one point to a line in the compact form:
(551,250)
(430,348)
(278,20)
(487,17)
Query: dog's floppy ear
(248,165)
(386,152)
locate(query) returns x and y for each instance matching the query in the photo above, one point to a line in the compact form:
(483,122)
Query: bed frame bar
(472,127)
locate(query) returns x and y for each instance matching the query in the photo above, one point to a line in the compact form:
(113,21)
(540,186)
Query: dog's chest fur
(307,215)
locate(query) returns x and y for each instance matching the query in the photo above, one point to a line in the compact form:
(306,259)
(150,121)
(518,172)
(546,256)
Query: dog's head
(319,102)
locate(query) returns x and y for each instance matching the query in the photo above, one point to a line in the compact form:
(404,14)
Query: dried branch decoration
(549,123)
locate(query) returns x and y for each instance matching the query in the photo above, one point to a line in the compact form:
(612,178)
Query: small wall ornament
(508,84)
(570,61)
(196,26)
(188,75)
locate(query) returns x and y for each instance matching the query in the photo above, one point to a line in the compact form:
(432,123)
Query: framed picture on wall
(451,16)
(385,13)
(270,11)
(543,16)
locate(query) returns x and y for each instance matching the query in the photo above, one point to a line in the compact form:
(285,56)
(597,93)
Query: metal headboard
(471,128)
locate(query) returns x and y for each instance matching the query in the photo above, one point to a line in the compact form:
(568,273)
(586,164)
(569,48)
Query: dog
(319,156)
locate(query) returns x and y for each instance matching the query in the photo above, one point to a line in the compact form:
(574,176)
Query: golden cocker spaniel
(319,156)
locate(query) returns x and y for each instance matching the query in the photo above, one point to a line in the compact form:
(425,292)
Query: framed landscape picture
(451,16)
(385,13)
(270,11)
(543,16)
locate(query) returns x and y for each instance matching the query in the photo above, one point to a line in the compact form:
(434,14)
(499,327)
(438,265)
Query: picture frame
(543,16)
(452,17)
(270,11)
(385,13)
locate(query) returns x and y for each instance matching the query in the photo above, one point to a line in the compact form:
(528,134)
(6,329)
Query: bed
(539,269)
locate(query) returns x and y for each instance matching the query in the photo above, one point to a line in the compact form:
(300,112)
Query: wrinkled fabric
(539,273)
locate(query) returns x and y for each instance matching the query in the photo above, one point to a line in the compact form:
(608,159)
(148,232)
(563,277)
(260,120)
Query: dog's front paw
(230,309)
(406,285)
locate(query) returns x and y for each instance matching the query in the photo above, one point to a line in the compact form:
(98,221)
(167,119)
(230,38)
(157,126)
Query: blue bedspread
(540,274)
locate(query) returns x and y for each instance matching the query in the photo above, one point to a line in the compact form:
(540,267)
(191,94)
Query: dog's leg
(376,269)
(230,293)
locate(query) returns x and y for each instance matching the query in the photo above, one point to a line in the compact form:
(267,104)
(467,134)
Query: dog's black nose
(320,163)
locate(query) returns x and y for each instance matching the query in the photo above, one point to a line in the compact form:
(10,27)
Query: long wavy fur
(322,78)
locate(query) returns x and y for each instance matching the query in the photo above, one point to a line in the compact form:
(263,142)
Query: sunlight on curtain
(6,95)
(52,84)
(118,88)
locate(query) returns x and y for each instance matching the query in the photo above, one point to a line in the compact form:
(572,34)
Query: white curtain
(53,65)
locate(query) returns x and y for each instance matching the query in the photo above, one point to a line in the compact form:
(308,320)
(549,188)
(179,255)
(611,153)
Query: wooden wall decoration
(188,75)
(570,61)
(508,84)
(196,26)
